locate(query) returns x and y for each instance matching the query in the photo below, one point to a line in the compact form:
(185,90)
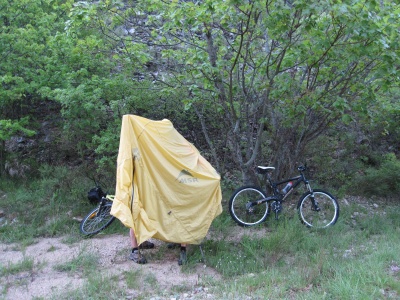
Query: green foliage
(289,70)
(8,128)
(27,60)
(247,83)
(383,180)
(56,197)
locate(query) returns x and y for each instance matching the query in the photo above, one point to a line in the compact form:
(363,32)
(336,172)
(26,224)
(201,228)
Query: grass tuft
(85,262)
(26,265)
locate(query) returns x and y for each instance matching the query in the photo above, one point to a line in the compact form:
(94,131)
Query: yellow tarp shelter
(165,189)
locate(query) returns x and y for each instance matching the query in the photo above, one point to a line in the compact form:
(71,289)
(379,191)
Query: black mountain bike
(98,218)
(249,205)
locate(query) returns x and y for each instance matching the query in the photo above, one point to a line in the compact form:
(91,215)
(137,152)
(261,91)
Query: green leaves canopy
(290,69)
(263,78)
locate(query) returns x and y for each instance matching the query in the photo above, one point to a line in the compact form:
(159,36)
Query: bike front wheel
(239,208)
(318,209)
(97,219)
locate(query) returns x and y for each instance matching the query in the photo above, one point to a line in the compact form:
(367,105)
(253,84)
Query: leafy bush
(44,206)
(383,180)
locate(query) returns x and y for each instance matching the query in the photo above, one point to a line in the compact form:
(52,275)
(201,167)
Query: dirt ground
(113,251)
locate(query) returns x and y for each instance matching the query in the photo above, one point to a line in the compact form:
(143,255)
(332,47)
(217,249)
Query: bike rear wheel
(97,219)
(324,214)
(244,215)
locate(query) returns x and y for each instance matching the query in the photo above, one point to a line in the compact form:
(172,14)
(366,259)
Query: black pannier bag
(95,195)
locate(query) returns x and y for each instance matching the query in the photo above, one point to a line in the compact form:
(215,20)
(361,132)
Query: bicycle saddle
(263,170)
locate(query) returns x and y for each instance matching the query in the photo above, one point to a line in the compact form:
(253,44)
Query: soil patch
(48,254)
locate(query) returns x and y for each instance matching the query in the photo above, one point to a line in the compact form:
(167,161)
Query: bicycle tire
(237,206)
(93,222)
(325,217)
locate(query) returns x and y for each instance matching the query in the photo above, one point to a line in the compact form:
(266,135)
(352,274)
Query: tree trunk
(2,158)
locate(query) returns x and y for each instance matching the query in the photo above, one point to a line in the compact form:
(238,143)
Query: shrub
(383,180)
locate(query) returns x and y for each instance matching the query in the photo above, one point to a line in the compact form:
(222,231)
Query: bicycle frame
(297,180)
(278,197)
(110,197)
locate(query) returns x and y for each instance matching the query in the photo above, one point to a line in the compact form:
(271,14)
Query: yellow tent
(165,189)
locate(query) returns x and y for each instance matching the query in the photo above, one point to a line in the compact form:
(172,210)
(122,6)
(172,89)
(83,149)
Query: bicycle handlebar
(302,168)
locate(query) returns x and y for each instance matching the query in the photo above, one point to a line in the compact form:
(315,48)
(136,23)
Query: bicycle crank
(276,206)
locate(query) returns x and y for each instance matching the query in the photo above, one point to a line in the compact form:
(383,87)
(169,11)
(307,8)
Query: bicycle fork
(314,203)
(101,207)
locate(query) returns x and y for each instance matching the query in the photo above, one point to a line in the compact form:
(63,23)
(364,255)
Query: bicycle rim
(95,222)
(244,216)
(326,216)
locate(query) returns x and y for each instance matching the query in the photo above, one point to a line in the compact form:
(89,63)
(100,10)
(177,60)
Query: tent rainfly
(165,189)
